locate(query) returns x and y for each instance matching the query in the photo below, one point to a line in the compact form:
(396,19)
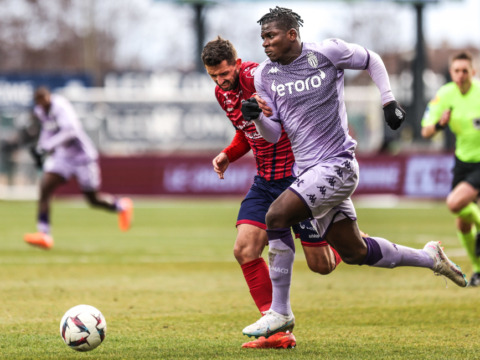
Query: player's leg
(88,178)
(248,248)
(48,184)
(251,240)
(321,257)
(462,202)
(466,233)
(285,211)
(345,236)
(320,187)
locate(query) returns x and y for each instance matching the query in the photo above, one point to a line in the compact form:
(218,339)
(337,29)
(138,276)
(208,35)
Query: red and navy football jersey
(274,161)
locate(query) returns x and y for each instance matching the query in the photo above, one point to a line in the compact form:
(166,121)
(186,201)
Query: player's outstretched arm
(394,113)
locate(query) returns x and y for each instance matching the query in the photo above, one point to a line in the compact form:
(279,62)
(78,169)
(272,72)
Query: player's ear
(292,34)
(238,62)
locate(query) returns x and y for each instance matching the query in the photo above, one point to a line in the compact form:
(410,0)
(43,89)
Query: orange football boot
(125,216)
(285,340)
(39,239)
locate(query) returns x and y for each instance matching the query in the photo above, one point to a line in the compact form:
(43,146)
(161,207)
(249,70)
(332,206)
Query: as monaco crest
(312,60)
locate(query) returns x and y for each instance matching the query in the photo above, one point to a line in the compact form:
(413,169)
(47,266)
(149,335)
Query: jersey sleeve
(352,56)
(269,127)
(435,108)
(238,147)
(247,76)
(345,55)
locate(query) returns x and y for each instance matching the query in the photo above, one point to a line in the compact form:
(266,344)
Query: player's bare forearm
(430,130)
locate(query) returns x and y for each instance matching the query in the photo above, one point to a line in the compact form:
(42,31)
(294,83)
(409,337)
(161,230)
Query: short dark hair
(285,18)
(41,92)
(463,55)
(218,50)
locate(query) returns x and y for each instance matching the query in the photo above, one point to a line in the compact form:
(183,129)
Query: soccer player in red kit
(235,83)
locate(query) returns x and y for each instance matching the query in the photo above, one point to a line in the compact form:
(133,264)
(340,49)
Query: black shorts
(469,172)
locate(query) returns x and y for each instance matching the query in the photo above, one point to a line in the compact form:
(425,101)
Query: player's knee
(275,219)
(352,258)
(323,268)
(244,254)
(454,204)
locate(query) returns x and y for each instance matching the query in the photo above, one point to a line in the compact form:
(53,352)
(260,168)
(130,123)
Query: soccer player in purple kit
(234,80)
(68,152)
(300,88)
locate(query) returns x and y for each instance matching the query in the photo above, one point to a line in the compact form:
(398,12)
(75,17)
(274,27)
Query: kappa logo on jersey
(299,85)
(273,70)
(312,60)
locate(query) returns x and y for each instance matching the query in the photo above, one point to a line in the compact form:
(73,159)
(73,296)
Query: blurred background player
(457,105)
(234,80)
(64,151)
(301,85)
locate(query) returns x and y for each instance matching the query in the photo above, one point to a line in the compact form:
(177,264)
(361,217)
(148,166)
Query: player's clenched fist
(250,109)
(394,115)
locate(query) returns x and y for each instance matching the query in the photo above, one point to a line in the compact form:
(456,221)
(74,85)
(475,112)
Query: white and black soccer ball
(83,328)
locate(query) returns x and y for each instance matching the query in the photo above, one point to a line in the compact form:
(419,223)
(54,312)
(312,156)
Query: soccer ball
(83,328)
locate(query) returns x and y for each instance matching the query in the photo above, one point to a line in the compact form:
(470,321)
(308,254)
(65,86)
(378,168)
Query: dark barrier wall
(407,175)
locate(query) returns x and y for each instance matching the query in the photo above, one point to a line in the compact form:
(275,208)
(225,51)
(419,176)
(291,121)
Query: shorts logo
(332,182)
(299,182)
(347,165)
(339,173)
(323,190)
(312,198)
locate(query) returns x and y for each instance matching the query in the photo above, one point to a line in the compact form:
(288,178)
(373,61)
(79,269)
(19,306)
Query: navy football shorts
(255,205)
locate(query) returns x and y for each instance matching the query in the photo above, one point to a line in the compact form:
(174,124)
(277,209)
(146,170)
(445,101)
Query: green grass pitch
(171,289)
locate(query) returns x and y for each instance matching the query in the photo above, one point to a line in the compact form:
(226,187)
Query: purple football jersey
(62,133)
(307,98)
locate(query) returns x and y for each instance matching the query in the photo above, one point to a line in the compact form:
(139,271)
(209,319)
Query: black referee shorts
(469,172)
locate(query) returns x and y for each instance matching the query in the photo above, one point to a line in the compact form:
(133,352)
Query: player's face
(278,43)
(224,74)
(461,72)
